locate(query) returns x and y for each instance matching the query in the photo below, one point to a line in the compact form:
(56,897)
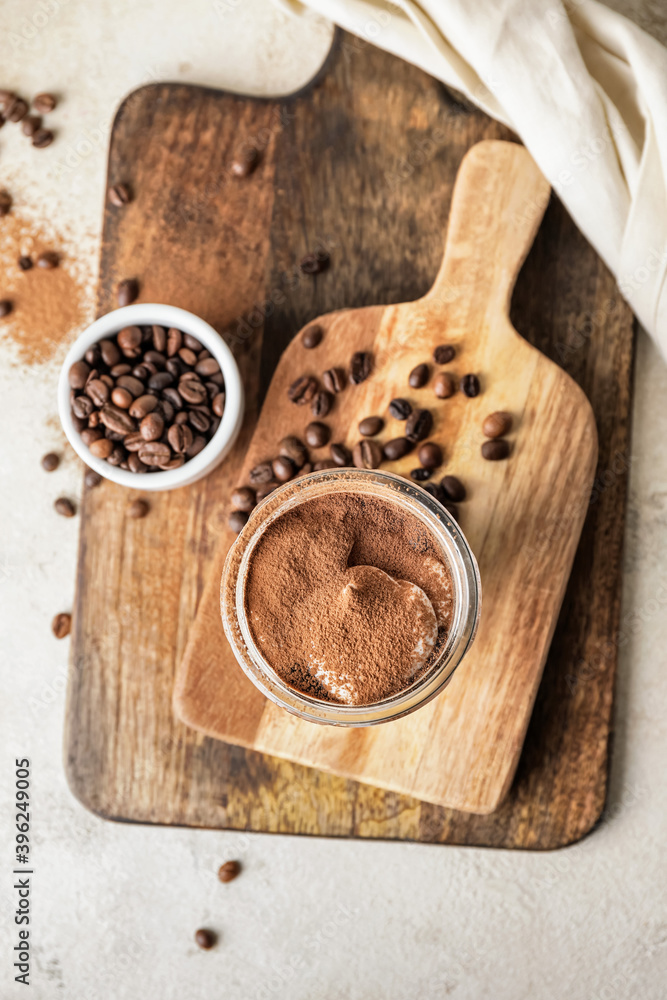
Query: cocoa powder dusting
(348,598)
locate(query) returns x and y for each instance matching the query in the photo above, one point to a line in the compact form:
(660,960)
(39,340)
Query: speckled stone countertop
(115,906)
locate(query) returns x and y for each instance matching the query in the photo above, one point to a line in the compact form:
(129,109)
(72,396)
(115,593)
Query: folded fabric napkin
(584,88)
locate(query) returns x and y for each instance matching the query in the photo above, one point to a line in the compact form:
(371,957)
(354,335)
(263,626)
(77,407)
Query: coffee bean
(44,103)
(151,427)
(88,435)
(218,404)
(360,367)
(192,391)
(443,354)
(302,390)
(64,507)
(134,385)
(315,263)
(325,465)
(317,434)
(110,353)
(191,342)
(119,195)
(237,520)
(16,111)
(141,406)
(283,469)
(94,419)
(470,386)
(312,336)
(430,455)
(92,479)
(137,509)
(116,419)
(497,424)
(161,380)
(159,336)
(340,455)
(48,260)
(367,454)
(334,379)
(174,341)
(294,449)
(496,449)
(207,367)
(264,490)
(127,291)
(129,341)
(420,475)
(418,377)
(307,468)
(98,391)
(5,202)
(135,464)
(453,489)
(244,162)
(42,138)
(370,426)
(154,453)
(244,498)
(108,381)
(25,263)
(122,368)
(436,491)
(121,398)
(262,473)
(101,448)
(118,456)
(229,871)
(188,357)
(180,438)
(82,407)
(61,625)
(321,404)
(198,444)
(397,448)
(418,425)
(78,374)
(199,420)
(5,308)
(400,409)
(50,461)
(444,385)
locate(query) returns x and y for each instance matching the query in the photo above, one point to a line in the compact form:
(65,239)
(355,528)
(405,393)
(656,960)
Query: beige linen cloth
(584,88)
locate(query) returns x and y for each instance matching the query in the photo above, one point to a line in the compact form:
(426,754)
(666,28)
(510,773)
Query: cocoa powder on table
(348,598)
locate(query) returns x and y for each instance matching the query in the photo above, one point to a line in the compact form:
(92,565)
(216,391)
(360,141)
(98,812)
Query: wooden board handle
(498,202)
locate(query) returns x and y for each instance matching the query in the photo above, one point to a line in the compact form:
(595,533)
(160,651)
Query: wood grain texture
(195,239)
(460,751)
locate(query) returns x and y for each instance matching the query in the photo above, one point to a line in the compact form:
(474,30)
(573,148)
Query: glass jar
(454,551)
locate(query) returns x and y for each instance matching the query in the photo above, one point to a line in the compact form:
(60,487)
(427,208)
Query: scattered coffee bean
(420,475)
(443,354)
(119,195)
(418,377)
(283,469)
(400,409)
(244,498)
(264,490)
(5,202)
(50,461)
(302,390)
(312,336)
(360,367)
(418,425)
(324,465)
(16,111)
(245,161)
(137,509)
(496,449)
(315,263)
(5,308)
(497,424)
(229,871)
(340,455)
(44,103)
(262,473)
(321,404)
(30,124)
(237,520)
(444,385)
(317,434)
(204,938)
(127,291)
(64,507)
(453,489)
(25,263)
(370,426)
(430,455)
(294,449)
(334,380)
(436,491)
(397,448)
(42,138)
(92,479)
(367,454)
(470,386)
(61,625)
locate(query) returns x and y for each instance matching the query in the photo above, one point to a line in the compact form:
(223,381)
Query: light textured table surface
(115,906)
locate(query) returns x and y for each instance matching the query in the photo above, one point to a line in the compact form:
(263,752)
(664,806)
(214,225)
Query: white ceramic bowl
(144,314)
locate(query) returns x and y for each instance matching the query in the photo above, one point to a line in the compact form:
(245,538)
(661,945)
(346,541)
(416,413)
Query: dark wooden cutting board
(362,162)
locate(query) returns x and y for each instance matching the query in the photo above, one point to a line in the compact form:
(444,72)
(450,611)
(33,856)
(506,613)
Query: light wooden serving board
(460,751)
(364,160)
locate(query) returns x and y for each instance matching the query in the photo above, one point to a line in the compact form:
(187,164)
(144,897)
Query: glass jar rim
(460,561)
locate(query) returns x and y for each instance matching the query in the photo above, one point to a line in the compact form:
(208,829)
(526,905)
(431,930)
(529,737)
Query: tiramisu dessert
(348,598)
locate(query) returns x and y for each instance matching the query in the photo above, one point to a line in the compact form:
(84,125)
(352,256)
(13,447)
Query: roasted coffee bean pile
(295,460)
(147,399)
(15,109)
